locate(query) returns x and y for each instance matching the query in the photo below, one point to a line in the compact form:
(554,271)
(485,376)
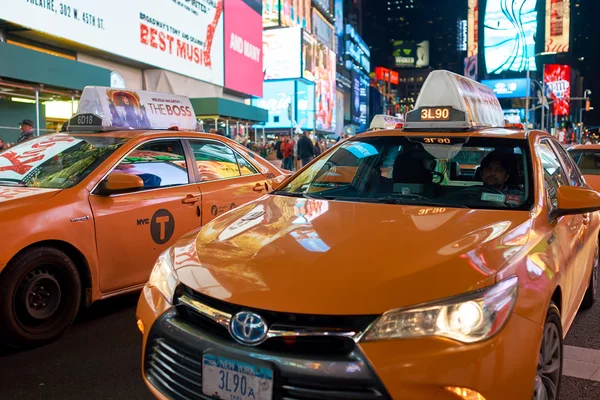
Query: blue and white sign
(509,88)
(277,96)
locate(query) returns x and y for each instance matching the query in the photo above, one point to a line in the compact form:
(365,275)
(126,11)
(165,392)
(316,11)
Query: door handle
(259,187)
(190,199)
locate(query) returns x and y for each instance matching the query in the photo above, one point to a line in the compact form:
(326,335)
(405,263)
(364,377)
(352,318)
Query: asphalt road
(99,358)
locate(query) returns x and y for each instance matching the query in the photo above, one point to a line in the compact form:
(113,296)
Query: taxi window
(575,179)
(554,175)
(215,160)
(416,170)
(245,167)
(588,161)
(55,161)
(159,163)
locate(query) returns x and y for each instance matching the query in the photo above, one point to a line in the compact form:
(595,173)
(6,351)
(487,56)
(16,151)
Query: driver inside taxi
(495,171)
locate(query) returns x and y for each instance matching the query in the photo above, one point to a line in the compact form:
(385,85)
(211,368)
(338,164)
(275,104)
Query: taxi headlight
(163,276)
(468,318)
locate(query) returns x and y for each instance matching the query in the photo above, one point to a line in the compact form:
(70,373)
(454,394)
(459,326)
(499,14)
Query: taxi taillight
(399,126)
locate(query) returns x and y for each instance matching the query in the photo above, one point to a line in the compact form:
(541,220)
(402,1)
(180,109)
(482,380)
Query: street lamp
(585,97)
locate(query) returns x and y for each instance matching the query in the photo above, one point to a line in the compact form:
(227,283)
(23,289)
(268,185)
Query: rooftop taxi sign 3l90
(451,101)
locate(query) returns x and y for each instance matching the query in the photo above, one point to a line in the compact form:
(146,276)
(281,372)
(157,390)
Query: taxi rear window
(588,161)
(476,172)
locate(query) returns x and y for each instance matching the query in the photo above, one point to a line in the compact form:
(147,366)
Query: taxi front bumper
(429,368)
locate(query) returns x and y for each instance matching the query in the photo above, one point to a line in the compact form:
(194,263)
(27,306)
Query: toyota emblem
(248,328)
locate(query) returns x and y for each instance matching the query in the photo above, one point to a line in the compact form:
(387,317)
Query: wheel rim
(548,372)
(38,297)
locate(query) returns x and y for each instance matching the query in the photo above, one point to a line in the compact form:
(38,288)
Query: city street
(99,358)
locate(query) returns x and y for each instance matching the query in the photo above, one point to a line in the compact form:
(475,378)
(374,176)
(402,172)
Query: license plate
(228,379)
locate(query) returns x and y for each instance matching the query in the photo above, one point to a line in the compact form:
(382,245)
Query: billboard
(394,78)
(282,53)
(363,101)
(305,103)
(325,74)
(243,48)
(339,26)
(277,97)
(309,56)
(410,53)
(558,23)
(509,88)
(355,98)
(557,79)
(289,13)
(472,40)
(186,38)
(509,35)
(322,29)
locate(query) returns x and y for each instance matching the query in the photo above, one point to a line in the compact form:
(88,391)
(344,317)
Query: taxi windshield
(54,161)
(588,161)
(469,172)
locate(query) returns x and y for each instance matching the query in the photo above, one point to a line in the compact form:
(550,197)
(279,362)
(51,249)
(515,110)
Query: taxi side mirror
(573,200)
(117,182)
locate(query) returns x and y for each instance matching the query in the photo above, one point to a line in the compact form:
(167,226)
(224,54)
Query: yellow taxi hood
(18,197)
(329,257)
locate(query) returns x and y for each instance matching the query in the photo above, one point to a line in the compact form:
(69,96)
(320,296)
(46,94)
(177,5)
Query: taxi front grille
(283,321)
(177,373)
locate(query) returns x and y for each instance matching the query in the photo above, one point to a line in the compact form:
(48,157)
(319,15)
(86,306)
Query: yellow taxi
(399,283)
(587,158)
(84,213)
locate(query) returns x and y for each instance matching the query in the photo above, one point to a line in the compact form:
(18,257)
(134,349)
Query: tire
(592,291)
(550,361)
(40,294)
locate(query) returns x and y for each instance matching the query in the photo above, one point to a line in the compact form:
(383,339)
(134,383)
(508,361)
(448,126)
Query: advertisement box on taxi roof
(178,36)
(243,48)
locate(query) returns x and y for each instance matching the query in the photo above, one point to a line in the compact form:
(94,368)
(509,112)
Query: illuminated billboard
(282,53)
(305,105)
(471,67)
(309,56)
(558,23)
(411,54)
(289,13)
(243,48)
(557,79)
(277,97)
(183,37)
(509,35)
(325,74)
(509,88)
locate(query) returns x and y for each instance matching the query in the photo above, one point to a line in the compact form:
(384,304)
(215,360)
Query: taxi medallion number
(224,378)
(435,114)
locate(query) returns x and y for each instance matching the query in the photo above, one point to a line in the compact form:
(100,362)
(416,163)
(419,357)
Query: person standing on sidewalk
(306,150)
(27,131)
(287,150)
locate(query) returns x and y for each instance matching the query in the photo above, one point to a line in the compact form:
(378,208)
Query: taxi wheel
(550,361)
(40,293)
(592,291)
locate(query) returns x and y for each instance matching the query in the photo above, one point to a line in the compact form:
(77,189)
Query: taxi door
(225,178)
(133,228)
(568,229)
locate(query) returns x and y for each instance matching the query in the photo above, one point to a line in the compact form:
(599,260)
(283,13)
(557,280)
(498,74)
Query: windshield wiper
(12,182)
(302,195)
(398,199)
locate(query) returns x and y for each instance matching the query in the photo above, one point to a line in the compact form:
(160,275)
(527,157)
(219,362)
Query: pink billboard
(243,48)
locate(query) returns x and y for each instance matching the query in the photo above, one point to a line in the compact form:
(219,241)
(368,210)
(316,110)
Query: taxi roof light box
(105,109)
(451,101)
